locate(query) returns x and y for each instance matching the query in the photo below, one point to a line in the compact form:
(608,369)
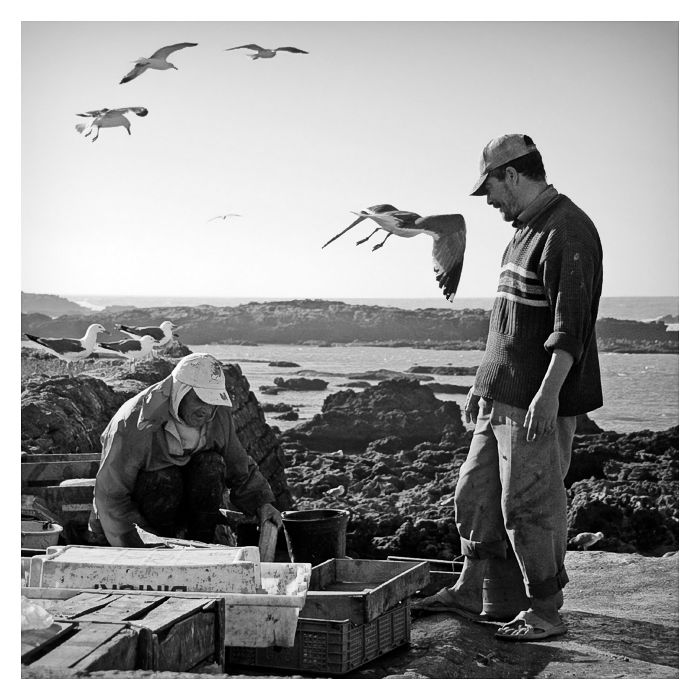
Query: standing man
(168,455)
(540,370)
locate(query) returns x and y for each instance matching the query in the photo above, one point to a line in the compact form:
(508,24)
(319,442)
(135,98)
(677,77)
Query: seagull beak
(345,230)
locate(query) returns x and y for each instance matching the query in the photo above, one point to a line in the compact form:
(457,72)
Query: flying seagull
(105,118)
(157,61)
(131,349)
(448,232)
(162,334)
(70,349)
(265,53)
(222,216)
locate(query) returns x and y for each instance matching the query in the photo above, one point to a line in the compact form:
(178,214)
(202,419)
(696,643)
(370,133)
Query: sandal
(529,627)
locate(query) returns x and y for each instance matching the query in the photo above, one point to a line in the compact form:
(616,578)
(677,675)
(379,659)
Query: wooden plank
(121,608)
(268,540)
(47,473)
(35,642)
(332,605)
(186,643)
(61,457)
(81,604)
(74,649)
(435,564)
(169,612)
(35,506)
(120,653)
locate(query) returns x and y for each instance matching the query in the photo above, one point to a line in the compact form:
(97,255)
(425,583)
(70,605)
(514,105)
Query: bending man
(168,455)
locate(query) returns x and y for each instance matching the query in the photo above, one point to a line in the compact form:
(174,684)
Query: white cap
(205,374)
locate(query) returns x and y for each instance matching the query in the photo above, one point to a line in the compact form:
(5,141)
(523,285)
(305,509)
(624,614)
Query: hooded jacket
(135,440)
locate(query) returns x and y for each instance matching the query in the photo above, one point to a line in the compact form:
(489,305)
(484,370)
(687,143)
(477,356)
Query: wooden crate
(42,475)
(360,590)
(127,631)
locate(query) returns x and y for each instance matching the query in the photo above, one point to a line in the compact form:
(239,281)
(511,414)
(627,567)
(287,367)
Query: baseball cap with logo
(205,374)
(499,151)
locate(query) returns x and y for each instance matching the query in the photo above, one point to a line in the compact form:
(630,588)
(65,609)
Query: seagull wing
(449,242)
(291,49)
(138,111)
(93,113)
(167,50)
(59,345)
(255,47)
(134,72)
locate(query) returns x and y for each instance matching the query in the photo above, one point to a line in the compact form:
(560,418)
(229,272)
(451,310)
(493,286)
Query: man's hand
(268,512)
(541,416)
(471,406)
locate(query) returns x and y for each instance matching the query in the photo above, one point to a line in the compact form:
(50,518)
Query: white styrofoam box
(262,611)
(235,570)
(268,619)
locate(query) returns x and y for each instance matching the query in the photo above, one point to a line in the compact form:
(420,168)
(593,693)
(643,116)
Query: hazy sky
(377,112)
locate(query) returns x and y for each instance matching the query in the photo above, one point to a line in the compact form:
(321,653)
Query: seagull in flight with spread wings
(105,118)
(265,53)
(222,216)
(157,61)
(448,231)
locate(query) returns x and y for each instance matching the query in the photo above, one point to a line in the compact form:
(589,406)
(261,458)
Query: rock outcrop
(321,322)
(401,408)
(300,383)
(65,414)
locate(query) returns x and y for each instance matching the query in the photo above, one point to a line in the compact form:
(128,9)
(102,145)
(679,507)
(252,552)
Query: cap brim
(478,189)
(214,397)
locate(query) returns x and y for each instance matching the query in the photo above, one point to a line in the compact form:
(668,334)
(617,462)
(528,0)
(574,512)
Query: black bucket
(315,535)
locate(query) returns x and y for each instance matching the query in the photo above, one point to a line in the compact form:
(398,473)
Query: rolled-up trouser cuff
(497,549)
(548,587)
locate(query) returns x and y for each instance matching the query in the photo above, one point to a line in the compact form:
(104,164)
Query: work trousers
(512,491)
(184,497)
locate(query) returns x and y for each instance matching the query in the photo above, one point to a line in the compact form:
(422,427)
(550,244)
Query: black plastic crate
(332,647)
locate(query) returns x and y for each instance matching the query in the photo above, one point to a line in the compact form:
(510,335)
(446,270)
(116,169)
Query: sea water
(640,391)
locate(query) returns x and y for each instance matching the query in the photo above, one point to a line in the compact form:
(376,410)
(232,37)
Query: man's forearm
(558,369)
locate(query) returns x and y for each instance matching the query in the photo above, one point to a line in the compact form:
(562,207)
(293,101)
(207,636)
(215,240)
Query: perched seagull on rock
(585,540)
(162,334)
(70,349)
(448,231)
(105,118)
(222,216)
(131,349)
(156,61)
(265,53)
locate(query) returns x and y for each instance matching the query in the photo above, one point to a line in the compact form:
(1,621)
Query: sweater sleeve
(568,271)
(249,488)
(125,451)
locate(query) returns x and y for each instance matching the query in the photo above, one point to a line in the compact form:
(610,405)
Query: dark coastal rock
(67,415)
(438,388)
(356,385)
(276,407)
(388,374)
(268,389)
(402,499)
(300,383)
(323,323)
(586,426)
(446,369)
(282,363)
(174,349)
(401,408)
(288,415)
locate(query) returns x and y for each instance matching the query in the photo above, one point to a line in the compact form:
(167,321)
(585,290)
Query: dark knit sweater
(548,293)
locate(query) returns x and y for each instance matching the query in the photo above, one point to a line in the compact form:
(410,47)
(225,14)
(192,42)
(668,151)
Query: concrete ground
(622,611)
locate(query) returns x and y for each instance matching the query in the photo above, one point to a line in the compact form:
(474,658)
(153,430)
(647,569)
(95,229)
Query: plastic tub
(39,534)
